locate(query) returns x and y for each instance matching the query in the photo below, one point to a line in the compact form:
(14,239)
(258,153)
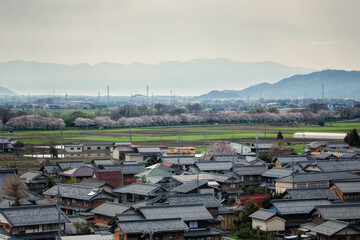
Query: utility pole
(130,135)
(62,140)
(256,146)
(58,207)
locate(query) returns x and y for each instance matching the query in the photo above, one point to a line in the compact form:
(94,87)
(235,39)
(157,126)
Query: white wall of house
(73,149)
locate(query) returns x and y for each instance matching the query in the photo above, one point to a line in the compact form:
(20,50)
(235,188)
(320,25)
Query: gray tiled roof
(330,227)
(127,169)
(74,191)
(183,160)
(263,214)
(32,215)
(103,162)
(30,175)
(92,183)
(193,212)
(284,160)
(230,158)
(277,173)
(110,209)
(130,217)
(348,187)
(250,170)
(138,189)
(149,150)
(190,185)
(214,166)
(208,200)
(339,211)
(157,225)
(64,165)
(89,237)
(343,165)
(320,176)
(7,201)
(297,206)
(83,171)
(312,193)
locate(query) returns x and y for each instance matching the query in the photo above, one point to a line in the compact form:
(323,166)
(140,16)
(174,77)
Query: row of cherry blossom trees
(35,122)
(204,118)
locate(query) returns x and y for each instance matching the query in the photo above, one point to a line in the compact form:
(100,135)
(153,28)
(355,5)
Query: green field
(179,135)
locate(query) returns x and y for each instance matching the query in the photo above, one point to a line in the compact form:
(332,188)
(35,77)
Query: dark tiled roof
(32,215)
(348,187)
(250,170)
(298,206)
(96,143)
(189,186)
(158,225)
(193,212)
(339,211)
(321,176)
(138,189)
(263,214)
(182,160)
(110,209)
(7,202)
(312,193)
(130,217)
(74,191)
(214,166)
(208,200)
(90,237)
(65,165)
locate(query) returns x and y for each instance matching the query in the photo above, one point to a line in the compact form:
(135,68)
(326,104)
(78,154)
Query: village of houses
(153,192)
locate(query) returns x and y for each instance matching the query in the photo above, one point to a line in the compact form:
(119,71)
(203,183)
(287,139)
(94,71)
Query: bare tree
(14,187)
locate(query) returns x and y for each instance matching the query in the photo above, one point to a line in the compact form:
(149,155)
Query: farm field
(195,135)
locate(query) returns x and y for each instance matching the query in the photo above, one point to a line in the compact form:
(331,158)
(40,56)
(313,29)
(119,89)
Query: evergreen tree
(279,136)
(352,138)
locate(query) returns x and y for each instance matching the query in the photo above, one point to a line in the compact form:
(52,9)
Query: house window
(88,148)
(312,185)
(106,219)
(233,185)
(301,185)
(193,224)
(98,148)
(98,218)
(73,201)
(107,148)
(78,148)
(121,237)
(72,148)
(83,203)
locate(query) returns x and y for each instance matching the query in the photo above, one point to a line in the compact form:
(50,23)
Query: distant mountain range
(183,78)
(6,92)
(337,84)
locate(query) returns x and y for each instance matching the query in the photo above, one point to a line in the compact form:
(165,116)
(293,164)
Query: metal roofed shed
(73,191)
(314,135)
(190,212)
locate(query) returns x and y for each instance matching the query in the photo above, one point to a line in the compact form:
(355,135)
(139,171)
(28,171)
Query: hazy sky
(317,34)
